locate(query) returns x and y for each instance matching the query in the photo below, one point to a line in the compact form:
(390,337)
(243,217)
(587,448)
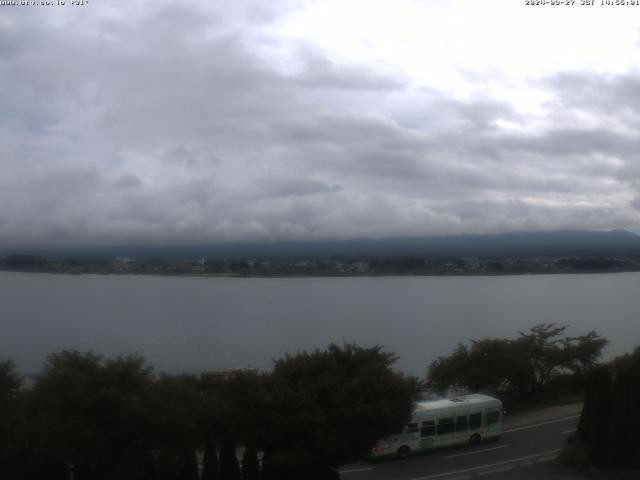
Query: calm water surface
(194,324)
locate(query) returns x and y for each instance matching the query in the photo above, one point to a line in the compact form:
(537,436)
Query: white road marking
(496,470)
(476,451)
(545,459)
(354,470)
(563,419)
(480,467)
(567,432)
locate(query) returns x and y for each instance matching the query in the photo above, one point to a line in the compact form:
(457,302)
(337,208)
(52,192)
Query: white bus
(466,420)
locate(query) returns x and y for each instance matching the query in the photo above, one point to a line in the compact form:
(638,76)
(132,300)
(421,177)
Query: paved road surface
(527,440)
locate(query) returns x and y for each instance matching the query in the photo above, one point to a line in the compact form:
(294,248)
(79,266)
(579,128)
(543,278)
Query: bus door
(493,417)
(461,425)
(475,422)
(427,433)
(445,428)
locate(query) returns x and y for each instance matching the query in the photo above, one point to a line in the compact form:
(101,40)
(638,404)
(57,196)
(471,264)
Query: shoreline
(323,275)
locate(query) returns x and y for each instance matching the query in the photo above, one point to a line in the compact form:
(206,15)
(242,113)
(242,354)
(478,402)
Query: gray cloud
(171,124)
(279,186)
(610,94)
(320,71)
(127,181)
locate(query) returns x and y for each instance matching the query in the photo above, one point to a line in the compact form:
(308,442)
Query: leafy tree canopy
(524,365)
(10,381)
(328,408)
(609,427)
(91,412)
(111,418)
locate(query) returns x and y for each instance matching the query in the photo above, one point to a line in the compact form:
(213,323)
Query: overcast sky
(198,121)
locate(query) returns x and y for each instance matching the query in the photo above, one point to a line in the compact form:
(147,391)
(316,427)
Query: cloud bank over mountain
(187,122)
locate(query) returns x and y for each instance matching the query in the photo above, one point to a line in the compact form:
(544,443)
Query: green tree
(609,426)
(187,464)
(210,458)
(90,413)
(250,464)
(174,403)
(625,417)
(595,420)
(521,367)
(10,416)
(235,405)
(583,352)
(490,364)
(549,354)
(229,467)
(112,419)
(328,408)
(10,382)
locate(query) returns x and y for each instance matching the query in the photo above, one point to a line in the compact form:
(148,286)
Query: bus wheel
(474,439)
(403,452)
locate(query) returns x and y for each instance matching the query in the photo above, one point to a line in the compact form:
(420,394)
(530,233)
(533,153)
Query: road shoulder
(517,420)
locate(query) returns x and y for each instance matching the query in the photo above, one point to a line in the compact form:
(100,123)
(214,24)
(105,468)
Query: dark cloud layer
(173,124)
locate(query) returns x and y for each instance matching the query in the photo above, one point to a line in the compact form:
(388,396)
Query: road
(519,446)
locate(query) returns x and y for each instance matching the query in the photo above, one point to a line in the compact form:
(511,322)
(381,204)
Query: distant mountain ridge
(558,243)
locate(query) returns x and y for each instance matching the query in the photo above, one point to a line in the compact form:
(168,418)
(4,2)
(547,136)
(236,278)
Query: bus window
(475,421)
(428,429)
(461,424)
(445,425)
(493,417)
(412,428)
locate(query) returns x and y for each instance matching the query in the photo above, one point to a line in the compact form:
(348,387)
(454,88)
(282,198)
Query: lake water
(194,324)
